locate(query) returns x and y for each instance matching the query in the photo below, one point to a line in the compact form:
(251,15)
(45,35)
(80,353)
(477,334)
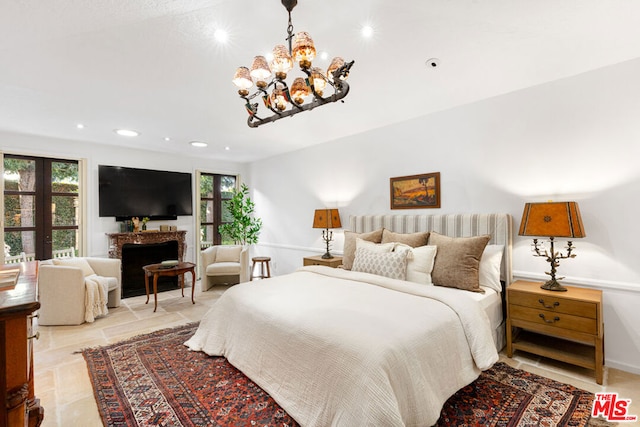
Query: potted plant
(244,228)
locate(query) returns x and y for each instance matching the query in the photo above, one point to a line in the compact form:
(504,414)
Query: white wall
(573,139)
(96,154)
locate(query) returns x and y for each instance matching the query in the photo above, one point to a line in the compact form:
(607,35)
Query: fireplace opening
(136,256)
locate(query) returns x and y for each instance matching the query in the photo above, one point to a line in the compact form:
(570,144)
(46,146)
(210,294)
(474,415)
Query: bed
(346,347)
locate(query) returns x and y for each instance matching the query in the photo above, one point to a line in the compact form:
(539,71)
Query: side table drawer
(554,304)
(554,319)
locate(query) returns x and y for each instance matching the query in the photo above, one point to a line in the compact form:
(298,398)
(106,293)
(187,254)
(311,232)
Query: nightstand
(318,260)
(565,326)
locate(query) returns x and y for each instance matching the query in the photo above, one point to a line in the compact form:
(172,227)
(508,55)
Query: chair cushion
(112,282)
(222,268)
(228,253)
(80,263)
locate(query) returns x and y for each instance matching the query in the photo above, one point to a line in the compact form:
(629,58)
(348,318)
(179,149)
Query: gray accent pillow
(414,240)
(349,250)
(457,261)
(387,264)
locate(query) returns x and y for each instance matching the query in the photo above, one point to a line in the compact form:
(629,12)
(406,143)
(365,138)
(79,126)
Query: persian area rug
(155,380)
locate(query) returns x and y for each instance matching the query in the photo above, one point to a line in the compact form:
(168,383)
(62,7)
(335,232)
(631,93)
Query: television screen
(128,192)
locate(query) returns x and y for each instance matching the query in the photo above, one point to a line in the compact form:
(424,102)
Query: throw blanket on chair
(96,296)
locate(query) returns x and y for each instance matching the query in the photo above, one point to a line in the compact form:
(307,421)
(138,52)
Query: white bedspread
(340,348)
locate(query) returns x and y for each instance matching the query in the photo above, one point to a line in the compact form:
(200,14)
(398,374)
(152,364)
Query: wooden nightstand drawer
(553,303)
(566,326)
(318,260)
(554,319)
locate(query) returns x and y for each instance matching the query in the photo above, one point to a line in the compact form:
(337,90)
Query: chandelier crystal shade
(305,93)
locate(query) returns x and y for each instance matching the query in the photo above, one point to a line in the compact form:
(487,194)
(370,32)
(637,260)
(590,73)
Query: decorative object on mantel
(136,224)
(144,223)
(415,191)
(327,218)
(276,94)
(244,229)
(552,219)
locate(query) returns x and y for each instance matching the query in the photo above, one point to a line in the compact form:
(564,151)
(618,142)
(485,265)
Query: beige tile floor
(63,387)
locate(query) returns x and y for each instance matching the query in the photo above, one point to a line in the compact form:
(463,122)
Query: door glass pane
(227,184)
(64,177)
(206,186)
(16,242)
(19,174)
(63,239)
(64,210)
(19,211)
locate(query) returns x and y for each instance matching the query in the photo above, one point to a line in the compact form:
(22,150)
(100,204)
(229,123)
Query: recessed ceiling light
(80,126)
(221,35)
(198,144)
(227,148)
(166,138)
(367,31)
(126,132)
(324,55)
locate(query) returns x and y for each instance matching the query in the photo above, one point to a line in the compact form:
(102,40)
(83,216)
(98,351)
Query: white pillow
(374,247)
(80,263)
(419,262)
(489,269)
(228,253)
(387,264)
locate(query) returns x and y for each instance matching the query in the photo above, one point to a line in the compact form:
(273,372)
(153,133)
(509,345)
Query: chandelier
(280,99)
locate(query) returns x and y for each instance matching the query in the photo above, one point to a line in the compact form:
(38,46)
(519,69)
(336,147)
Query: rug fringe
(145,335)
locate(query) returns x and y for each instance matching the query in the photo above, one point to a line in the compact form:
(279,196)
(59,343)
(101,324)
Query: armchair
(62,289)
(224,264)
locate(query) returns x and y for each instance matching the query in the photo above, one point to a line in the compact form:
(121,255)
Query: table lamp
(326,218)
(552,219)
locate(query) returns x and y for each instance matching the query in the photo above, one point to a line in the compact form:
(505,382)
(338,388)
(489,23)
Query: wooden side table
(157,270)
(318,260)
(565,326)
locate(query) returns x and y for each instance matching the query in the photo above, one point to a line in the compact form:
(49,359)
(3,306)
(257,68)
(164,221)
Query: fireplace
(143,248)
(136,256)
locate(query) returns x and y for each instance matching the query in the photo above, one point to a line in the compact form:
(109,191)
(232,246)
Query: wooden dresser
(566,326)
(18,302)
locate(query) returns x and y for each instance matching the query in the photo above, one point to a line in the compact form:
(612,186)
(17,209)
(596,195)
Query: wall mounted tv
(127,192)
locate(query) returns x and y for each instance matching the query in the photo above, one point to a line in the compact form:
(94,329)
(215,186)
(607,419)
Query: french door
(214,190)
(41,206)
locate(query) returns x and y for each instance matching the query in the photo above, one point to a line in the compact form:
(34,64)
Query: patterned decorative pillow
(458,261)
(389,264)
(349,250)
(412,239)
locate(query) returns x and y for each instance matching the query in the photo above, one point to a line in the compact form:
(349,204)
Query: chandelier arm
(254,121)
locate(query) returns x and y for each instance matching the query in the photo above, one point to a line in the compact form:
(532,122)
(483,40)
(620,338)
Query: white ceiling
(154,65)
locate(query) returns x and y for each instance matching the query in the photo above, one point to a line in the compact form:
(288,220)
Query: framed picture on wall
(415,191)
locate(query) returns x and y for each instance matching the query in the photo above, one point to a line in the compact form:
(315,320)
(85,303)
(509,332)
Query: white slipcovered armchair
(225,264)
(63,292)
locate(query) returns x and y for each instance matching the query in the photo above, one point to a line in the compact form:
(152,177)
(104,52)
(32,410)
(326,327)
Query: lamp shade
(552,219)
(326,218)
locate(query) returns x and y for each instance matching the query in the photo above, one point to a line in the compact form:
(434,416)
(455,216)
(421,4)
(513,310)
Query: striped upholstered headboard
(498,226)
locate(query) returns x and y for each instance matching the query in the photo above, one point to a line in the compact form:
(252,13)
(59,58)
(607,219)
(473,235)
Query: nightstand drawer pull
(555,304)
(555,319)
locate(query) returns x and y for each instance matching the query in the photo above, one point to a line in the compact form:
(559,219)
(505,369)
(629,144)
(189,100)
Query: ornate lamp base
(553,285)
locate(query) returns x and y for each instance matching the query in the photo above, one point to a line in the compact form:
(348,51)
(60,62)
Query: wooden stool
(263,260)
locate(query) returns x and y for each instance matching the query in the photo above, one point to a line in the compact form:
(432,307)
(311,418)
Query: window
(214,190)
(41,206)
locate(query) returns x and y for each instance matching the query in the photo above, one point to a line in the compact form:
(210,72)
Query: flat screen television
(128,192)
